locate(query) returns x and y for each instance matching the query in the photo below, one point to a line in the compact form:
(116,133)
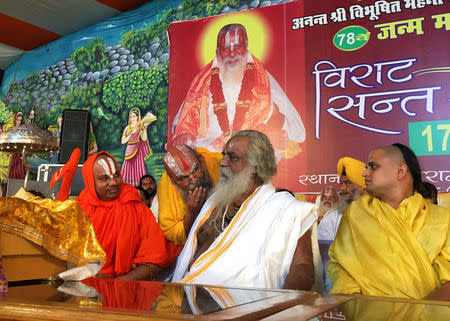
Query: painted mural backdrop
(117,69)
(360,74)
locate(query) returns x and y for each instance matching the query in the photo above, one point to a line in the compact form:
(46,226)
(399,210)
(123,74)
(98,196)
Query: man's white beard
(322,210)
(231,186)
(355,195)
(232,73)
(342,206)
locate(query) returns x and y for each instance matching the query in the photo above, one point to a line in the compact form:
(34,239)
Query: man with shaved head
(126,229)
(233,92)
(392,241)
(189,177)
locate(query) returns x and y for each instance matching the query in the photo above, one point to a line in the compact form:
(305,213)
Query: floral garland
(242,104)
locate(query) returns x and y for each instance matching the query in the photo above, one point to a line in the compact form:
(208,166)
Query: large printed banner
(322,79)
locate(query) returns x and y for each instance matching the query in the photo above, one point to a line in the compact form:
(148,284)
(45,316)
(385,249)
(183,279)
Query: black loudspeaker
(45,173)
(74,133)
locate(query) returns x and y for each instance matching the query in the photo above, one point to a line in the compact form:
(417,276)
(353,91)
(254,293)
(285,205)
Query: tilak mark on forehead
(108,165)
(231,41)
(232,37)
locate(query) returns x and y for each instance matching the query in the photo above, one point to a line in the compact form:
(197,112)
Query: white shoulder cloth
(257,247)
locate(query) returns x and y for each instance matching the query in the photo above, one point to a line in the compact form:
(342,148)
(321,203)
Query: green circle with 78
(351,38)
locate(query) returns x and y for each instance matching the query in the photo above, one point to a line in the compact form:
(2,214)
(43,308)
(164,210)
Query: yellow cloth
(170,299)
(444,199)
(374,309)
(10,123)
(61,228)
(5,161)
(23,194)
(353,169)
(386,252)
(5,158)
(172,206)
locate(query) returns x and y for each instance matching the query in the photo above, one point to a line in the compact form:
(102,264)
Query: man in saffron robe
(124,226)
(190,174)
(247,234)
(391,241)
(233,92)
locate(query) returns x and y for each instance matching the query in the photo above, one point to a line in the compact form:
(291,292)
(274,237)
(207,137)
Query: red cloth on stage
(125,294)
(125,227)
(16,169)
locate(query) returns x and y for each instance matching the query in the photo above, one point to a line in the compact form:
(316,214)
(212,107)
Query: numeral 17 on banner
(430,138)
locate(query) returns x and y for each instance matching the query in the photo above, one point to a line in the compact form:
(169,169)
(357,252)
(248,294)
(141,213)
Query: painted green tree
(89,98)
(91,57)
(4,113)
(143,89)
(132,89)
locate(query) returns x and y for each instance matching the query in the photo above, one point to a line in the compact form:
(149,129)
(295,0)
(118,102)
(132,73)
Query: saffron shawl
(194,116)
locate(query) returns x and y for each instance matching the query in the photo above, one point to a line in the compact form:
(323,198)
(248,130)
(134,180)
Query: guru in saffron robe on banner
(268,110)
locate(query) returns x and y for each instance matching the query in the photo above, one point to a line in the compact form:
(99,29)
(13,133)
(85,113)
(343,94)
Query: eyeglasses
(189,176)
(231,156)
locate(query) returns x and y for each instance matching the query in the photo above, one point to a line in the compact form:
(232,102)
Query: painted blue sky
(111,30)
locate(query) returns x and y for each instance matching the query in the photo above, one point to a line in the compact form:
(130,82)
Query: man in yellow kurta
(190,174)
(392,241)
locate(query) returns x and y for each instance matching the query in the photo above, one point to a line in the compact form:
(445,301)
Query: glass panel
(139,296)
(366,308)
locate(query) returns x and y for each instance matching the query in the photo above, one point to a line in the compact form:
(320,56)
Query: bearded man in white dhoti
(248,235)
